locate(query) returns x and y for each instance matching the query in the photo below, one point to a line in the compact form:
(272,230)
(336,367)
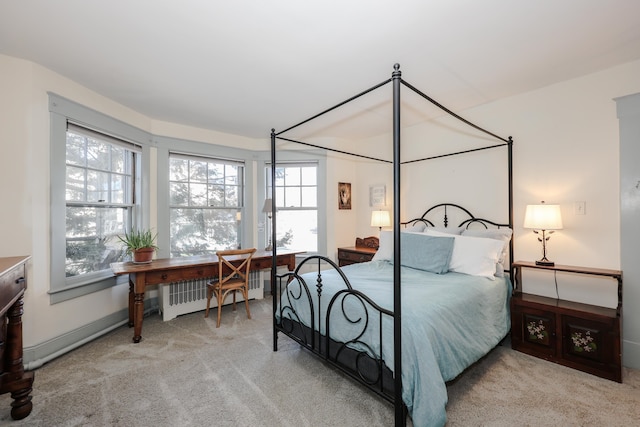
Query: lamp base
(545,262)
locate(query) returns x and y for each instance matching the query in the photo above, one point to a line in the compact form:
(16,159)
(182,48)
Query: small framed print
(377,195)
(344,195)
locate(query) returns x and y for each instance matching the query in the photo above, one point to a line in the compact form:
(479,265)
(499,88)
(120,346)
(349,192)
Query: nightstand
(581,336)
(363,251)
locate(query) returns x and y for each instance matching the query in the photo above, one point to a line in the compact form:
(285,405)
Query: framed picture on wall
(377,195)
(344,195)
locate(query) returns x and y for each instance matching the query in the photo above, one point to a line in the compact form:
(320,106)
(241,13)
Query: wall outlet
(580,208)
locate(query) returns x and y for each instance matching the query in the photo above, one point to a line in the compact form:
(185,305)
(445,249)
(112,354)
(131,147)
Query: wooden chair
(233,276)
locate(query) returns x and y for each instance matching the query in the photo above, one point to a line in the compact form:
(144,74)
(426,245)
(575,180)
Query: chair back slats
(228,270)
(233,276)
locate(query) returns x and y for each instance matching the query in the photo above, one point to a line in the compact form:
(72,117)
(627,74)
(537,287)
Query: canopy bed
(433,300)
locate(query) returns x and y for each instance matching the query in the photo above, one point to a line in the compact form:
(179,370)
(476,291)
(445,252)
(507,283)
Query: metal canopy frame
(396,80)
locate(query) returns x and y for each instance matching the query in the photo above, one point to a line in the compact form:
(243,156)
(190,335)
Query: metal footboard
(303,307)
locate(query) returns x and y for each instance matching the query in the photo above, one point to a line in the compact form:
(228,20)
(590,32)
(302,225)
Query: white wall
(566,150)
(24,178)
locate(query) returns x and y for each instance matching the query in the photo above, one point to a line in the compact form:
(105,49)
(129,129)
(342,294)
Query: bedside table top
(570,269)
(359,249)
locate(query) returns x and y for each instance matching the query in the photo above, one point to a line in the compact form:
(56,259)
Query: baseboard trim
(631,354)
(37,355)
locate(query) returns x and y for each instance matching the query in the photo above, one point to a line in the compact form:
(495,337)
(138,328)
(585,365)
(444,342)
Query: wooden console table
(13,378)
(168,270)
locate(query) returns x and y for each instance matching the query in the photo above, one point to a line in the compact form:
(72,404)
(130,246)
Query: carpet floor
(185,372)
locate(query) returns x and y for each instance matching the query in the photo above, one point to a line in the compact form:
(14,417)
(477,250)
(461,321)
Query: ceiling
(246,66)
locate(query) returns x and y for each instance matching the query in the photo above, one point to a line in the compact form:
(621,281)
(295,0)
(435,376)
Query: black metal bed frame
(322,345)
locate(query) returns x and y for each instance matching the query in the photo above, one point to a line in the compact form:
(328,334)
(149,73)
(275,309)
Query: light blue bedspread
(449,321)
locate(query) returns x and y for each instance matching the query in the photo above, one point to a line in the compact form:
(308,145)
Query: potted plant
(140,244)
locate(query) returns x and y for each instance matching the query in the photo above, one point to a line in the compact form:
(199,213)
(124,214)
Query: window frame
(299,189)
(164,146)
(241,188)
(62,111)
(132,189)
(299,157)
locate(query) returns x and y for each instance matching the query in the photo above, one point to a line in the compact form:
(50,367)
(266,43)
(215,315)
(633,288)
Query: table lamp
(266,208)
(380,219)
(545,218)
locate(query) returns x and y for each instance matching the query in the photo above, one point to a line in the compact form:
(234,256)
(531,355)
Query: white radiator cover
(191,295)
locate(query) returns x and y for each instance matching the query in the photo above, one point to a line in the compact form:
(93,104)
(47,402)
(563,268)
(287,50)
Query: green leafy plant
(139,239)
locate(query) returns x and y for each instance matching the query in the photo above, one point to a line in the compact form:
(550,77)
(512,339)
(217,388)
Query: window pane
(309,176)
(98,154)
(292,176)
(118,159)
(178,169)
(292,197)
(216,196)
(279,176)
(198,171)
(216,173)
(118,188)
(178,194)
(75,149)
(297,230)
(97,186)
(75,184)
(231,196)
(309,197)
(91,238)
(231,174)
(203,231)
(197,195)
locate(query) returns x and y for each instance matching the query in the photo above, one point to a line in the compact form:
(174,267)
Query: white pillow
(447,230)
(502,234)
(476,256)
(385,246)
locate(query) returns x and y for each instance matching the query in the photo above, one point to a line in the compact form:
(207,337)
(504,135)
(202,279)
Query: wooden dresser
(13,378)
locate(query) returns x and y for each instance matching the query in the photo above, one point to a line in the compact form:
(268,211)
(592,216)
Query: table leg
(137,298)
(131,303)
(15,379)
(138,316)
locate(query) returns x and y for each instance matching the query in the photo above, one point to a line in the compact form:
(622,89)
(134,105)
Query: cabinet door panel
(534,331)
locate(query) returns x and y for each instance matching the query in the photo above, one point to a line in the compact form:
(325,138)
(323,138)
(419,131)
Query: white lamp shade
(266,208)
(380,219)
(543,217)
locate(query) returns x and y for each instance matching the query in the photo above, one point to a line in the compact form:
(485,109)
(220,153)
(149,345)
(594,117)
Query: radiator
(191,295)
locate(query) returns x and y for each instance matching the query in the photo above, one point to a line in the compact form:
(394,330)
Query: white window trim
(62,111)
(168,145)
(301,157)
(218,160)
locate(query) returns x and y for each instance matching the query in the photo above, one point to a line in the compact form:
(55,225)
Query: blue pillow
(428,253)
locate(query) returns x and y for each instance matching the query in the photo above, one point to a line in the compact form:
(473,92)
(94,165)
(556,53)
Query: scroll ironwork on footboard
(323,313)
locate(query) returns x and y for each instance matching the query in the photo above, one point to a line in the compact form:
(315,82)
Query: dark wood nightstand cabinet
(581,336)
(355,254)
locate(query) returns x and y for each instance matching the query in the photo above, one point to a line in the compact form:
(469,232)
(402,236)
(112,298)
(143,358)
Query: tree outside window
(206,199)
(296,188)
(100,174)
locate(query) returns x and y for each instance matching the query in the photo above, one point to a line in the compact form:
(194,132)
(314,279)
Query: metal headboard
(445,219)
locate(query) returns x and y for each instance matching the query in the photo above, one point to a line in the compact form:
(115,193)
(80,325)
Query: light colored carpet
(186,372)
